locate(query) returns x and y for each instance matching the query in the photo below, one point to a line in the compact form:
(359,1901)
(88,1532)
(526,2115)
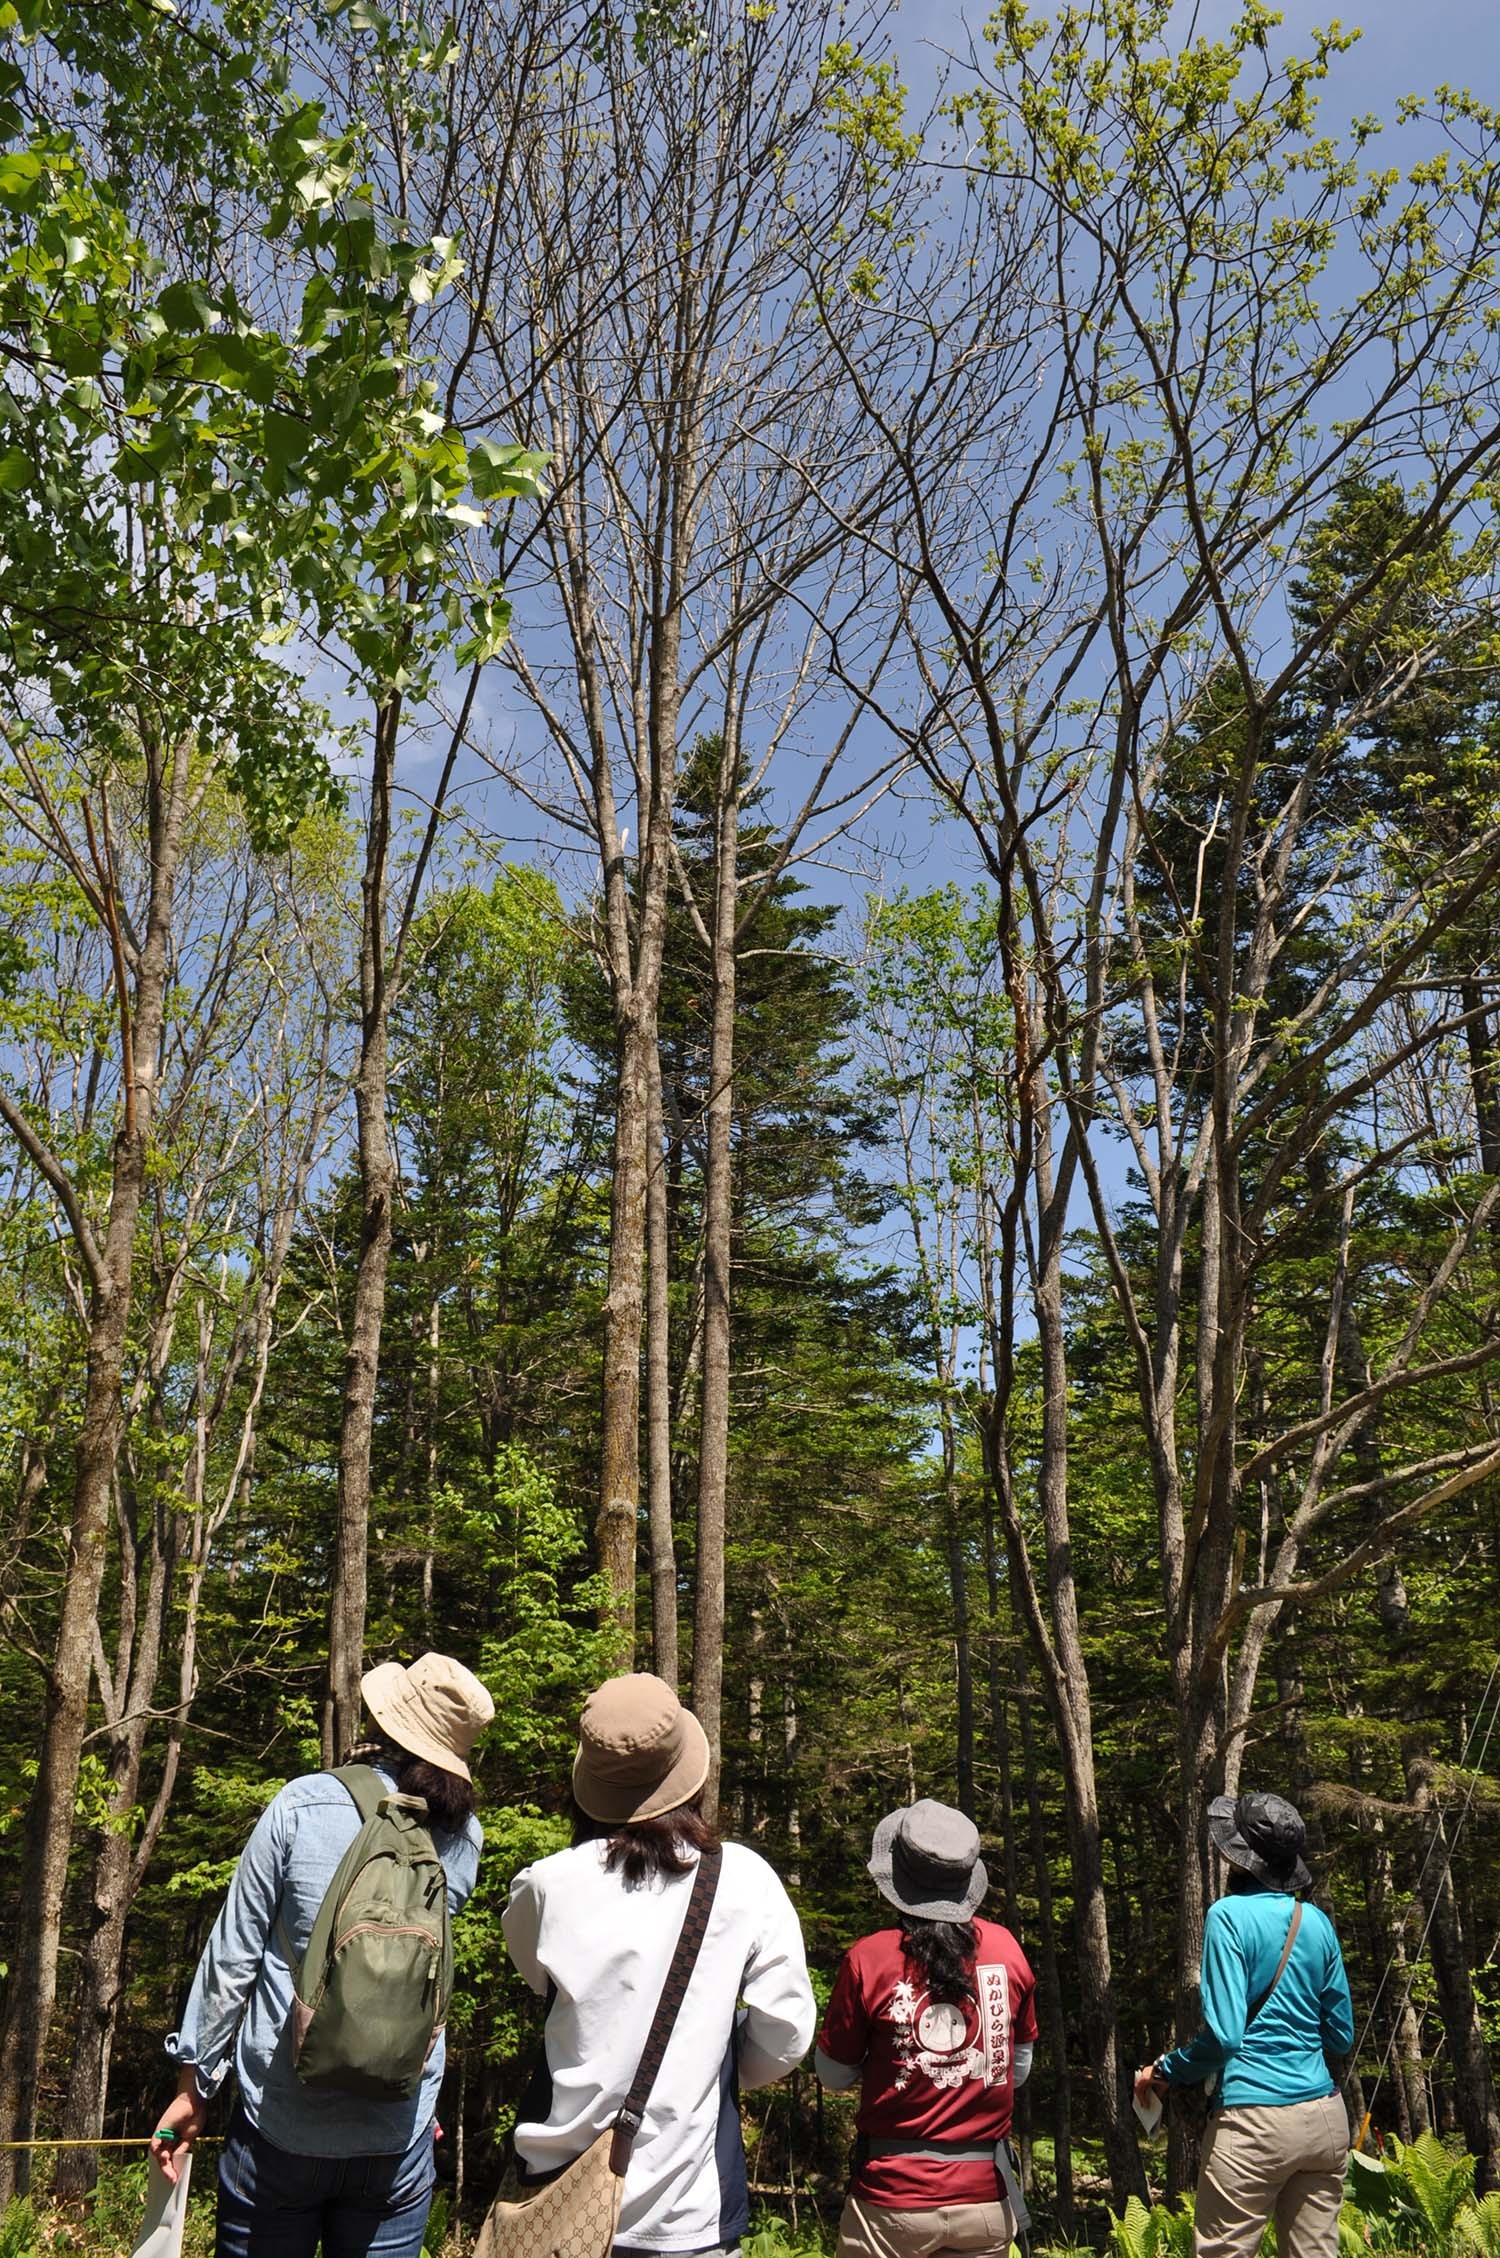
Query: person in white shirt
(594,1927)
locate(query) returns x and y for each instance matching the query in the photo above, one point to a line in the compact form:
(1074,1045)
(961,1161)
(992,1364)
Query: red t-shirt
(932,2071)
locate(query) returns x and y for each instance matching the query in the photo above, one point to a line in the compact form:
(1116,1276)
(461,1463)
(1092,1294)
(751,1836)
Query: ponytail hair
(449,1798)
(945,1951)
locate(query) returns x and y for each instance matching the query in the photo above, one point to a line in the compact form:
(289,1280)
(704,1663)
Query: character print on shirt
(950,2042)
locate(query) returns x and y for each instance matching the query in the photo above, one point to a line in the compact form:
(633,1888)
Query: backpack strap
(366,1786)
(368,1791)
(1293,1926)
(673,1992)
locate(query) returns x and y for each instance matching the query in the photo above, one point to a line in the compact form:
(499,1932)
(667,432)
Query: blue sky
(1403,48)
(1406,47)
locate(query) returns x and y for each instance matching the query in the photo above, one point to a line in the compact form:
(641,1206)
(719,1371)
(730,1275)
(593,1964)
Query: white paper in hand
(166,2212)
(1149,2114)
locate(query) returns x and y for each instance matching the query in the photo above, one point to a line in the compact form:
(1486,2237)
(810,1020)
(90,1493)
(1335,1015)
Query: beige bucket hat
(436,1709)
(640,1753)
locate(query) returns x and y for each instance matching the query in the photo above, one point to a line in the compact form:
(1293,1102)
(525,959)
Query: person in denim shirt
(300,2164)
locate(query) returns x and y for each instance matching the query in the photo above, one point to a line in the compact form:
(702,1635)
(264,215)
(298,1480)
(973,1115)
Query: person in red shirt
(935,2020)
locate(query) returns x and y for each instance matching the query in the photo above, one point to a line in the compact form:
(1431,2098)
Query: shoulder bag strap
(673,1992)
(1286,1953)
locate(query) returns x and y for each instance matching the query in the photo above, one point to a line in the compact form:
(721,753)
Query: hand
(1149,2081)
(185,2115)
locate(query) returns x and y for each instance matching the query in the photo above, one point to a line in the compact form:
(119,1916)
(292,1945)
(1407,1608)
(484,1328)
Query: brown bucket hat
(436,1709)
(640,1753)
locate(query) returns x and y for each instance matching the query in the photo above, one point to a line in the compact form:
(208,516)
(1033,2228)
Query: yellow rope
(130,2140)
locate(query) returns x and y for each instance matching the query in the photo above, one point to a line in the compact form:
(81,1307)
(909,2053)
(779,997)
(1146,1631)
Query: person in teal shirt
(1276,2005)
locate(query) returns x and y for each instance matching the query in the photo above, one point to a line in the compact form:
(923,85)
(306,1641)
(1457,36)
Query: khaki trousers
(872,2230)
(1284,2163)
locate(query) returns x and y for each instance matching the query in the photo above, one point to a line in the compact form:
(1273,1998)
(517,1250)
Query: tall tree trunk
(1474,2089)
(790,1730)
(659,1385)
(958,1590)
(434,1457)
(113,1886)
(635,982)
(999,1705)
(1054,2023)
(1072,1718)
(620,1426)
(718,1224)
(123,1857)
(1484,1075)
(349,1581)
(48,1827)
(31,1487)
(1389,1939)
(753,1778)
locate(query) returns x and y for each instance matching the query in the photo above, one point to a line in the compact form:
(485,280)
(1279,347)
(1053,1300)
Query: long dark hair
(945,1951)
(450,1799)
(645,1850)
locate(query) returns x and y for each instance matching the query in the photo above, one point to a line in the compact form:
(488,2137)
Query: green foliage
(547,1651)
(1416,2197)
(1412,2195)
(1158,2232)
(435,2233)
(185,483)
(1476,2230)
(770,2236)
(20,2233)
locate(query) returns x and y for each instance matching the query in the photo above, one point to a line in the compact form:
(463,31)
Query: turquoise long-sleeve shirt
(1280,2058)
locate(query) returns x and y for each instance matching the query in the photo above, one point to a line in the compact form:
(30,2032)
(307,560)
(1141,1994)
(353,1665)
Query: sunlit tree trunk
(659,1386)
(718,1227)
(349,1581)
(48,1826)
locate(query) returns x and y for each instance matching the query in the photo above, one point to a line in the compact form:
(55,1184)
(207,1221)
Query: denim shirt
(1279,2057)
(240,2006)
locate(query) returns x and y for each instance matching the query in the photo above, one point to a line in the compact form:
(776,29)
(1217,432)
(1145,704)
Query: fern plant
(1157,2233)
(1476,2230)
(1436,2183)
(1132,2234)
(18,2228)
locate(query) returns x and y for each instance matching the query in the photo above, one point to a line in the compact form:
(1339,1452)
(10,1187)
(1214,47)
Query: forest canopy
(748,841)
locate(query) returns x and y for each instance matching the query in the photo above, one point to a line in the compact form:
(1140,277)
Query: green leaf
(185,307)
(496,470)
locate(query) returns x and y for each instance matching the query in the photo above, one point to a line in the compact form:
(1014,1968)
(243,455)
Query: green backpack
(371,1994)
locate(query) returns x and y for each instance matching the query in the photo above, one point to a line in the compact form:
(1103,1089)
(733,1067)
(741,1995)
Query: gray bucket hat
(1263,1835)
(926,1861)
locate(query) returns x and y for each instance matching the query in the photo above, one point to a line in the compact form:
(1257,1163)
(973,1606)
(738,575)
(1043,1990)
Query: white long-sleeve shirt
(572,1923)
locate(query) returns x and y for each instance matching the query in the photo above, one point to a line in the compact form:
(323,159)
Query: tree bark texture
(958,1591)
(718,1229)
(1473,2083)
(1054,2021)
(659,1385)
(620,1439)
(349,1581)
(48,1827)
(635,984)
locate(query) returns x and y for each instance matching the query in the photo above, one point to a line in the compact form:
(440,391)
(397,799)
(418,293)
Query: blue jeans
(276,2205)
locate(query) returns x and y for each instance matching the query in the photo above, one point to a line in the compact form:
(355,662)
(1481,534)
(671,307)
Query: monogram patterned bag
(575,2215)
